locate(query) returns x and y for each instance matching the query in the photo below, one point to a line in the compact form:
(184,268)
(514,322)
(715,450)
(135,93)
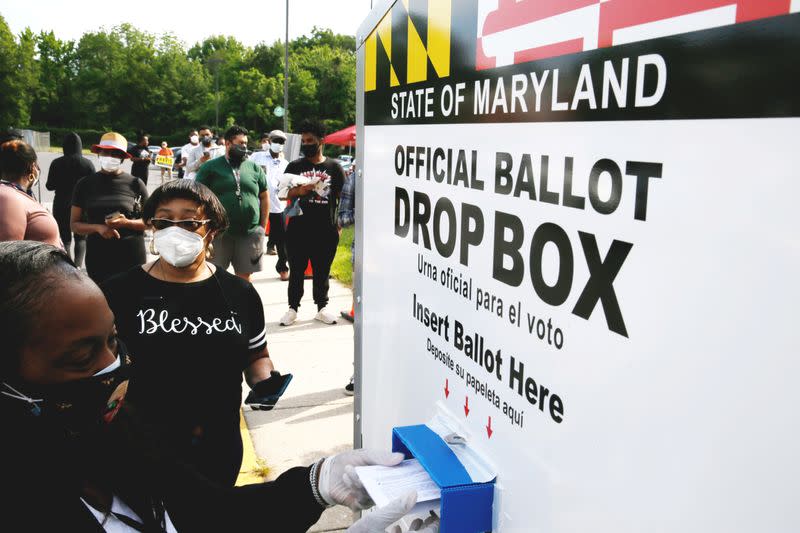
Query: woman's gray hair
(29,271)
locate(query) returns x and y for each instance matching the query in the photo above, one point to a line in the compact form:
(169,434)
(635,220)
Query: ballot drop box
(467,486)
(577,234)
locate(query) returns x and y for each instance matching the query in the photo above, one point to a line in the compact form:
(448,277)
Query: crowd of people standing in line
(176,331)
(100,210)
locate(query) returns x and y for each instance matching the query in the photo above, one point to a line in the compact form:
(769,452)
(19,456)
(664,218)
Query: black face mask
(79,407)
(309,150)
(236,155)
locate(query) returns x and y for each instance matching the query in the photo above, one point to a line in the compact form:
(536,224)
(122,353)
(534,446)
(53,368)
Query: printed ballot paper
(287,181)
(386,483)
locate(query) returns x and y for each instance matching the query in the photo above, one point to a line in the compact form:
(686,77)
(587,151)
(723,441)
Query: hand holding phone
(265,394)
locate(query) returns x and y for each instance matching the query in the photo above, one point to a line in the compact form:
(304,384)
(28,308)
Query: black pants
(61,212)
(315,240)
(142,175)
(107,257)
(277,239)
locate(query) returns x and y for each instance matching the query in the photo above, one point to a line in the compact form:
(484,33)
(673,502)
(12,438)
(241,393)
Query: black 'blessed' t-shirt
(189,343)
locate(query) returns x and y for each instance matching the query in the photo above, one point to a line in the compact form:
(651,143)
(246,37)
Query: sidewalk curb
(248,472)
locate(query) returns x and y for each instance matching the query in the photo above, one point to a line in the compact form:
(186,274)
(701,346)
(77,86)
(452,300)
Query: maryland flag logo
(410,44)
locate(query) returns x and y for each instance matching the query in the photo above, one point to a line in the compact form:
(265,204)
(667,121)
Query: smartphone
(277,386)
(112,216)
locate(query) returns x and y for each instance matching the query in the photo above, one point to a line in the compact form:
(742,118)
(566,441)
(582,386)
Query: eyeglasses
(188,224)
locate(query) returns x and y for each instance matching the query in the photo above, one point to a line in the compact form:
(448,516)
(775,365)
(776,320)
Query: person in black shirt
(313,235)
(193,329)
(140,156)
(75,456)
(111,201)
(64,174)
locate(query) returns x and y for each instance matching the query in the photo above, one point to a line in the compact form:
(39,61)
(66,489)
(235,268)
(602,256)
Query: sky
(190,21)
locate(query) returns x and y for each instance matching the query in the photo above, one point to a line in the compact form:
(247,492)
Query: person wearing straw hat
(106,206)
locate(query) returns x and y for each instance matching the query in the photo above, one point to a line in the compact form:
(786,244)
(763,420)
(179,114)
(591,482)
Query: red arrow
(446,390)
(466,406)
(489,428)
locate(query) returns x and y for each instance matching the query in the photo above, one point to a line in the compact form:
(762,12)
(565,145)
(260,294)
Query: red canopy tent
(345,137)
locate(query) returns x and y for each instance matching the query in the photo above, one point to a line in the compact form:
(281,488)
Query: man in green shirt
(241,186)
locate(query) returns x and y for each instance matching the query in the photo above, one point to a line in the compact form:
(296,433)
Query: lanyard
(238,184)
(238,178)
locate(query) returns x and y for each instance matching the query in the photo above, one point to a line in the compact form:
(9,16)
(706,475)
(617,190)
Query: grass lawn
(341,268)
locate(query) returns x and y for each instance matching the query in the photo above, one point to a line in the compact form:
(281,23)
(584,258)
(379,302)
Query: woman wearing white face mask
(192,330)
(106,206)
(22,217)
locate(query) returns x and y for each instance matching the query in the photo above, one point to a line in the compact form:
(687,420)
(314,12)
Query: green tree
(18,76)
(183,89)
(268,59)
(126,79)
(324,37)
(54,104)
(251,98)
(223,58)
(334,71)
(100,80)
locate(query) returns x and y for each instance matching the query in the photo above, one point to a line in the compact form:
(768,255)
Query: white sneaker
(325,316)
(289,317)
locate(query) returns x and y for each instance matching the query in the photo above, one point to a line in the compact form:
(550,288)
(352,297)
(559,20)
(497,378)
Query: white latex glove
(339,483)
(383,517)
(429,525)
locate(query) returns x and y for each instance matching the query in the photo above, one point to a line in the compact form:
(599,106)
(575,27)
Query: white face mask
(178,246)
(194,139)
(265,146)
(276,148)
(36,178)
(109,164)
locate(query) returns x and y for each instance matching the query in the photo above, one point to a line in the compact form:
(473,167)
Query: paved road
(45,158)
